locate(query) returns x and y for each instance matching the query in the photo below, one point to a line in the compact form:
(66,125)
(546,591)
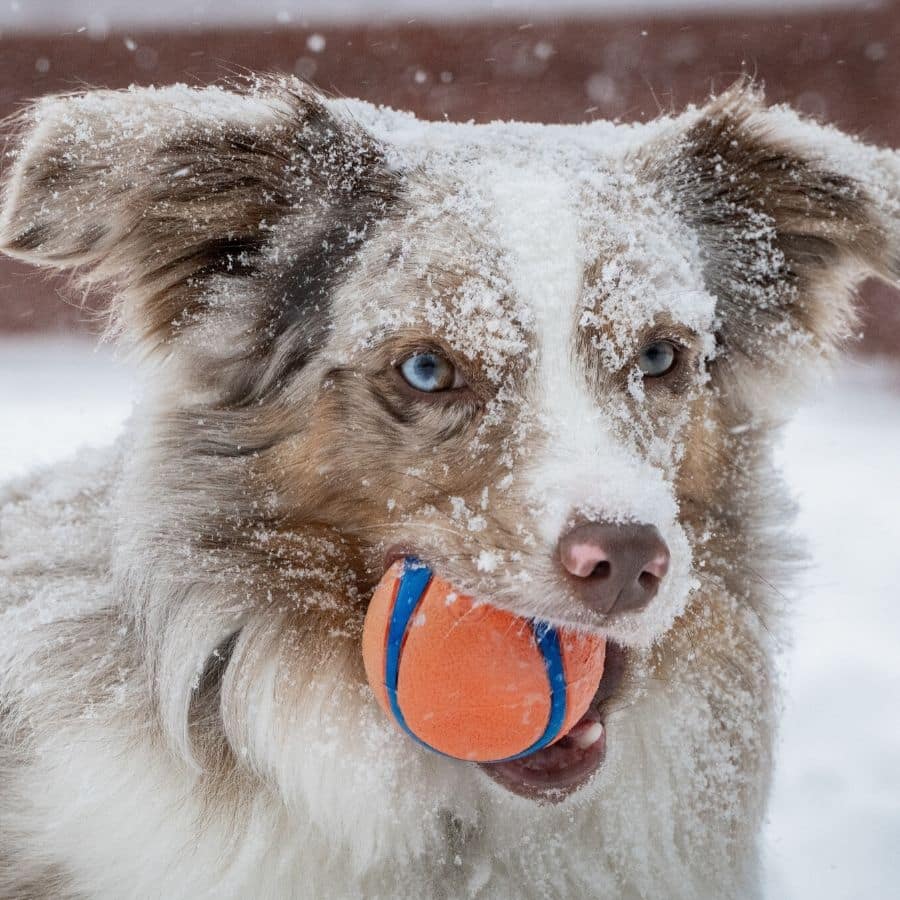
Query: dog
(548,360)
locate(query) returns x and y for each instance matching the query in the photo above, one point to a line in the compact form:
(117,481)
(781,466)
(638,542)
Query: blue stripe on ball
(547,640)
(414,582)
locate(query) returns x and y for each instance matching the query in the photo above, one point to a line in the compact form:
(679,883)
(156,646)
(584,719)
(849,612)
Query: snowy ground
(56,396)
(835,817)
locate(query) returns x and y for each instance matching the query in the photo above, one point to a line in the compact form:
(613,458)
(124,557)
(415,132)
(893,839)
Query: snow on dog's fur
(183,709)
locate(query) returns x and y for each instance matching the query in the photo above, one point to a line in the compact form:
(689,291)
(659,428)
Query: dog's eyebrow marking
(644,266)
(300,296)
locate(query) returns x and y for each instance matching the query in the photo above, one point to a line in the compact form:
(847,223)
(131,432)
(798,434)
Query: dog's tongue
(556,770)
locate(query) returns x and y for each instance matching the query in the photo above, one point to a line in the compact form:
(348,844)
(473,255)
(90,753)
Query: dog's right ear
(170,196)
(790,216)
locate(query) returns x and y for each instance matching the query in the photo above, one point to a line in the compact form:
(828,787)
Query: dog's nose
(615,568)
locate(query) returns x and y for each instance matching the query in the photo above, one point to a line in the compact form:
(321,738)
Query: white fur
(582,466)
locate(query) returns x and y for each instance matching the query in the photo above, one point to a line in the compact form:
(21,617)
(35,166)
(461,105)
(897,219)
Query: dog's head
(543,359)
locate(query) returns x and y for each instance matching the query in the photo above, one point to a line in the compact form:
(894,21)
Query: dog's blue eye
(429,372)
(657,358)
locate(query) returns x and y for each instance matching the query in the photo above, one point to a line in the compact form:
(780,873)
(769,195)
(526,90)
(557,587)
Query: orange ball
(467,679)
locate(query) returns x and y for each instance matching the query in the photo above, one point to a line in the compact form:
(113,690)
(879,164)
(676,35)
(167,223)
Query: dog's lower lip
(553,773)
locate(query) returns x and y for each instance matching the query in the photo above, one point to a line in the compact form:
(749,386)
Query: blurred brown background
(840,63)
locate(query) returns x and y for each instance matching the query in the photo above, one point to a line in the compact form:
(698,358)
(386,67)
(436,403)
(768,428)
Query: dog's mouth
(553,773)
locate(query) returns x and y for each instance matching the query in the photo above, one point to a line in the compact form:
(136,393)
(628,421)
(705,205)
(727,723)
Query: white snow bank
(835,816)
(57,395)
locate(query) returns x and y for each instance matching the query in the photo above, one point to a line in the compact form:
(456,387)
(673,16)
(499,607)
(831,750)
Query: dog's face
(541,359)
(507,373)
(508,376)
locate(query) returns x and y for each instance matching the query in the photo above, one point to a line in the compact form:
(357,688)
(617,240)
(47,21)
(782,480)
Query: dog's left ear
(790,214)
(194,204)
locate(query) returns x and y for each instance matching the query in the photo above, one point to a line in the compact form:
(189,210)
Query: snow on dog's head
(539,278)
(528,354)
(599,293)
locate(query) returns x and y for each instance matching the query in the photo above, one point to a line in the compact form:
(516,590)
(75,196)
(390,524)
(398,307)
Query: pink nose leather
(581,559)
(614,568)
